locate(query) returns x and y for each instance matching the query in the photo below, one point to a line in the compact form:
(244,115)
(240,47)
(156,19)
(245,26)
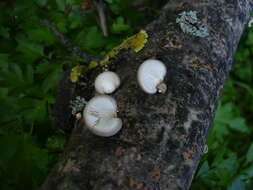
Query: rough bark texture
(163,135)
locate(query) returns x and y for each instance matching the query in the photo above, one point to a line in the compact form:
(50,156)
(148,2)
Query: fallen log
(163,135)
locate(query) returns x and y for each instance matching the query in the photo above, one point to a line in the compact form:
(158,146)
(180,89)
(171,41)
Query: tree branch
(102,17)
(67,43)
(163,135)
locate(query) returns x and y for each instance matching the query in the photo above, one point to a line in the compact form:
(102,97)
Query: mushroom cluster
(100,113)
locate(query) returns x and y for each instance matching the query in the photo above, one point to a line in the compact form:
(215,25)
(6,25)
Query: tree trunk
(163,135)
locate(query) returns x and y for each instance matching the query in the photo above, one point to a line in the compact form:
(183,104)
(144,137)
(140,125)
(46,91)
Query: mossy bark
(163,135)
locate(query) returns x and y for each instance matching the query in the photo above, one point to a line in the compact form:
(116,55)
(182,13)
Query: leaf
(61,4)
(237,184)
(14,78)
(75,20)
(50,98)
(45,67)
(23,156)
(51,81)
(41,34)
(248,173)
(18,72)
(229,92)
(118,26)
(203,169)
(249,156)
(109,1)
(249,41)
(224,170)
(244,72)
(120,7)
(29,74)
(56,142)
(72,2)
(229,164)
(37,112)
(91,38)
(41,3)
(30,50)
(219,131)
(60,20)
(239,125)
(226,118)
(248,88)
(3,92)
(219,157)
(7,110)
(4,59)
(4,32)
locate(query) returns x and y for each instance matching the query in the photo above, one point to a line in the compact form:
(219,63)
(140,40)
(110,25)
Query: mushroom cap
(107,82)
(150,74)
(100,116)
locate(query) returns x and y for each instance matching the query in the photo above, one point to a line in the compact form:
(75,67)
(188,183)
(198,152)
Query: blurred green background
(32,60)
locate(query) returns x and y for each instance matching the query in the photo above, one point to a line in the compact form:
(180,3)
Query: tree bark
(163,135)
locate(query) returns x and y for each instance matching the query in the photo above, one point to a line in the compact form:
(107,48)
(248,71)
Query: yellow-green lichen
(76,73)
(135,42)
(77,70)
(92,64)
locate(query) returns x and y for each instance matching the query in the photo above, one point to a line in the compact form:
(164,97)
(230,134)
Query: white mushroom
(100,116)
(150,76)
(107,82)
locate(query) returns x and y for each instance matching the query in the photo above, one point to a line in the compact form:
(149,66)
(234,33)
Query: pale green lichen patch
(190,24)
(77,105)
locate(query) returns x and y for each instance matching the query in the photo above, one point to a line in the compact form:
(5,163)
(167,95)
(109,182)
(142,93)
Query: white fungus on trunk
(100,116)
(107,82)
(150,76)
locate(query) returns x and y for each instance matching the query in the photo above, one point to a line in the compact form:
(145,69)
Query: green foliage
(119,26)
(32,61)
(229,162)
(23,164)
(84,36)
